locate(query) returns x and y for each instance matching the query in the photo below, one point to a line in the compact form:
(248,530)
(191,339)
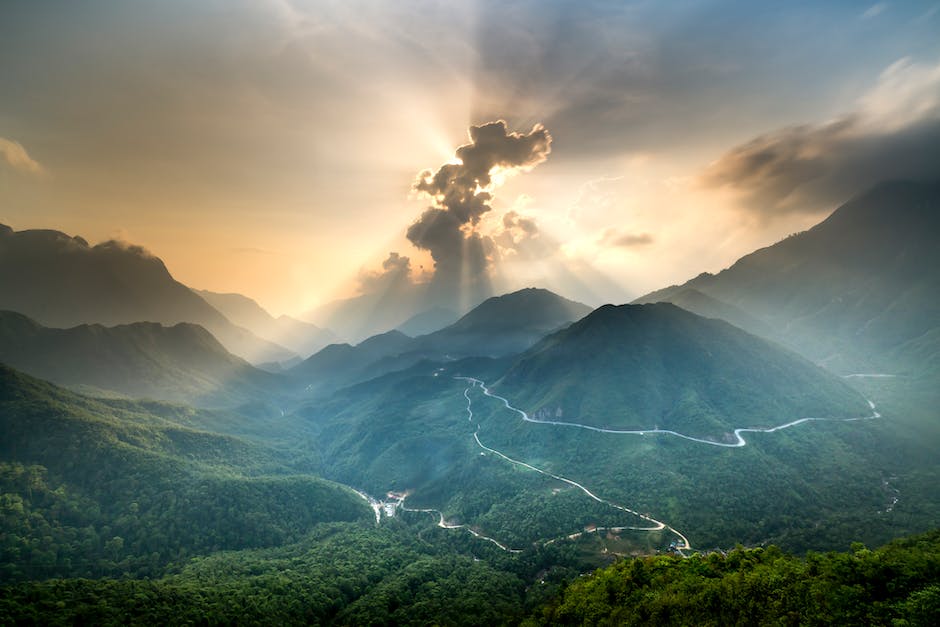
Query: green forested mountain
(182,363)
(646,366)
(61,281)
(861,287)
(92,488)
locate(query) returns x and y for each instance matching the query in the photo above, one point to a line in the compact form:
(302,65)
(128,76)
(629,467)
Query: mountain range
(498,327)
(301,337)
(860,288)
(182,363)
(61,281)
(627,415)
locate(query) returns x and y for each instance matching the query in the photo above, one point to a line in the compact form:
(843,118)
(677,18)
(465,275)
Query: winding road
(657,525)
(739,441)
(443,524)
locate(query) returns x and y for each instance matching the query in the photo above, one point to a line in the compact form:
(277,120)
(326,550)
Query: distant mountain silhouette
(300,337)
(504,325)
(61,281)
(862,286)
(182,363)
(428,321)
(338,364)
(500,326)
(646,366)
(363,316)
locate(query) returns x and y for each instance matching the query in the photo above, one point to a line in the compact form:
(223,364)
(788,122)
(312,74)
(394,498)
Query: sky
(299,151)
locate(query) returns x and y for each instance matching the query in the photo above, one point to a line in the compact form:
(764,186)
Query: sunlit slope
(859,288)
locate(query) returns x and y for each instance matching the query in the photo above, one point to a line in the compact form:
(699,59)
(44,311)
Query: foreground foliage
(898,584)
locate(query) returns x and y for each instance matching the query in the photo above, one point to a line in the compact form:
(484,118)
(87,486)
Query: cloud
(16,157)
(520,238)
(893,133)
(396,272)
(874,10)
(460,195)
(616,238)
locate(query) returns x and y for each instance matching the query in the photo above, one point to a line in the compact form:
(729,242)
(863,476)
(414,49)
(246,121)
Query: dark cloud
(460,194)
(810,168)
(616,238)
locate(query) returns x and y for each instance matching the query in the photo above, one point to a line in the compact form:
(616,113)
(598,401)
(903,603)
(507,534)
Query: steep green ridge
(145,359)
(898,584)
(61,281)
(850,290)
(91,488)
(646,366)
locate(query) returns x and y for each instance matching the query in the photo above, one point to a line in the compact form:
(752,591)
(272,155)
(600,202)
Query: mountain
(500,326)
(363,316)
(647,366)
(61,281)
(182,363)
(300,337)
(93,487)
(339,364)
(859,288)
(429,321)
(503,325)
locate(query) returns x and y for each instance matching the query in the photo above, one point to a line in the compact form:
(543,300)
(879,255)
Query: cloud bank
(17,158)
(893,133)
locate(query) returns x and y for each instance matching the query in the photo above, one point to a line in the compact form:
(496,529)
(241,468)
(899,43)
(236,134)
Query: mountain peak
(534,307)
(642,366)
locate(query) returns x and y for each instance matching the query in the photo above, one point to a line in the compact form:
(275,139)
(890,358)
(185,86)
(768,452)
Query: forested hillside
(898,584)
(92,488)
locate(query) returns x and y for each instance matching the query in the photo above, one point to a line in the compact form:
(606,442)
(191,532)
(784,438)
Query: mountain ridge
(61,281)
(182,363)
(658,365)
(849,290)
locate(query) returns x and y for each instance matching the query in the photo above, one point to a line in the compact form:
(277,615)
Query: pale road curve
(873,375)
(657,525)
(443,524)
(739,441)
